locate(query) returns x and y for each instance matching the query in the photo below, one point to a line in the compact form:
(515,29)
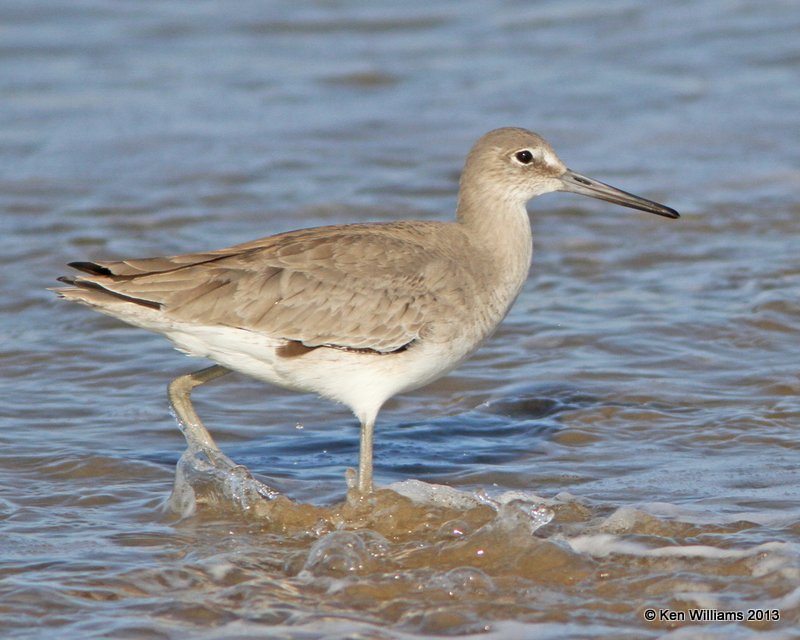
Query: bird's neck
(499,227)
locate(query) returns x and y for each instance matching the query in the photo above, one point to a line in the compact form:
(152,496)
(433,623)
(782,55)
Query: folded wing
(350,287)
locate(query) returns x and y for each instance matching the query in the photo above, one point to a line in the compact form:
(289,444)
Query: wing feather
(377,287)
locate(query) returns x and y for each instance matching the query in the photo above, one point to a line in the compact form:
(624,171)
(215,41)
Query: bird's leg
(195,432)
(365,457)
(235,482)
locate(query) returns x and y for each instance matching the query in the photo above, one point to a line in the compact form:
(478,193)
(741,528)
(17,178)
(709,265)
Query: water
(642,395)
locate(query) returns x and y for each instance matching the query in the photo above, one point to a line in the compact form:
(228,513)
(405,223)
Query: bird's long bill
(576,183)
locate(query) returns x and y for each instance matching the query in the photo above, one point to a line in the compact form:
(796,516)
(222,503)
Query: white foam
(514,508)
(601,545)
(705,516)
(435,494)
(621,521)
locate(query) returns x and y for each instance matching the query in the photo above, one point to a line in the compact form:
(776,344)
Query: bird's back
(362,286)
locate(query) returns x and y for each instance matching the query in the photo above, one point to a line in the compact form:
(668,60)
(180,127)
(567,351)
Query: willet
(356,313)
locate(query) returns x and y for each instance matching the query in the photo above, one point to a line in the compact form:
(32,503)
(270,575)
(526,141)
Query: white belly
(361,380)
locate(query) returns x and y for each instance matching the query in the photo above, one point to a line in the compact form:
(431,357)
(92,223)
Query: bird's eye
(524,156)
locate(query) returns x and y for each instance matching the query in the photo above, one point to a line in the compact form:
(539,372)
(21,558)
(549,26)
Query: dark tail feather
(88,284)
(90,267)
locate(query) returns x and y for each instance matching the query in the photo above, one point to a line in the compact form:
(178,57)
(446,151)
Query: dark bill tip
(576,183)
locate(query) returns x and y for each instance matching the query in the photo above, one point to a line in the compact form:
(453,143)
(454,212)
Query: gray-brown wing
(377,287)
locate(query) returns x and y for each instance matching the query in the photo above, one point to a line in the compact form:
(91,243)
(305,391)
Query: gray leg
(230,480)
(180,391)
(365,457)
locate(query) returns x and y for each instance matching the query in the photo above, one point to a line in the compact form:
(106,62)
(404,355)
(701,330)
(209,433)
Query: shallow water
(642,394)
